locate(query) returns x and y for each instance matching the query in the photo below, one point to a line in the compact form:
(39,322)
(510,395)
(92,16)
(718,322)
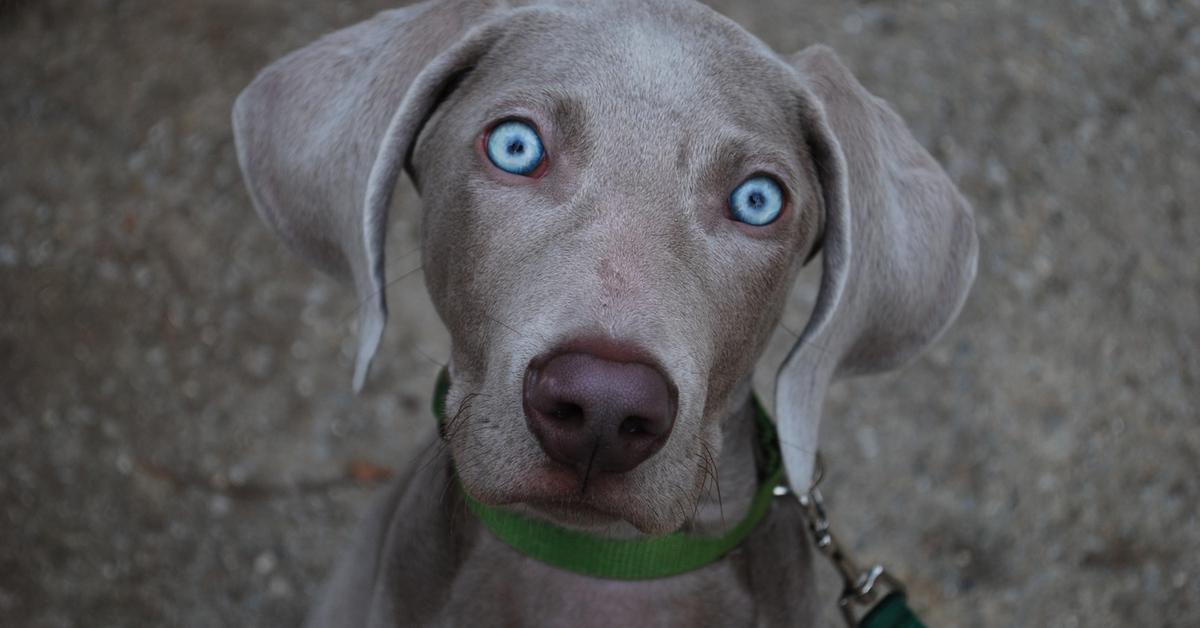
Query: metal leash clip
(873,592)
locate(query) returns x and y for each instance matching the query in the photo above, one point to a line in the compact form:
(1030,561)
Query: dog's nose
(594,414)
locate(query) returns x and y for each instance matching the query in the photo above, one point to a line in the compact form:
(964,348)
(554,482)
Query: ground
(178,438)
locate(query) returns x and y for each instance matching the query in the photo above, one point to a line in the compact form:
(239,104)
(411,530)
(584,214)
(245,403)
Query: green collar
(627,559)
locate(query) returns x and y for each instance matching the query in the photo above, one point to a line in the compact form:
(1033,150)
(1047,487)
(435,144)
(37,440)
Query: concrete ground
(178,439)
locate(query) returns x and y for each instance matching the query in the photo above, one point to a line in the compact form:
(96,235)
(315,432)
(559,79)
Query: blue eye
(757,201)
(515,147)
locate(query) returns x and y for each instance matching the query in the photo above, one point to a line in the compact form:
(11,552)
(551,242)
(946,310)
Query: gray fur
(651,113)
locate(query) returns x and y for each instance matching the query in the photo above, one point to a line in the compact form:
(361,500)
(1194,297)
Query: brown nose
(594,414)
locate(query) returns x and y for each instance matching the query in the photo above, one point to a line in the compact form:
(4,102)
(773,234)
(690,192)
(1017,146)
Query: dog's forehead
(641,60)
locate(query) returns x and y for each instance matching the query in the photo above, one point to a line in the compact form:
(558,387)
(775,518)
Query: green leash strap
(673,554)
(627,559)
(891,612)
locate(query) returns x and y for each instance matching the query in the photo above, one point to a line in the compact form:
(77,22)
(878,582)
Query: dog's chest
(502,588)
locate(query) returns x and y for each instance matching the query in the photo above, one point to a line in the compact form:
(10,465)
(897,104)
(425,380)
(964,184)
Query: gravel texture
(180,445)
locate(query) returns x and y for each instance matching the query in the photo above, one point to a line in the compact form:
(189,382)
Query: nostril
(567,412)
(635,425)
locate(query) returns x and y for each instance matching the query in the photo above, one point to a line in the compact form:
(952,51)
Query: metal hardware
(861,588)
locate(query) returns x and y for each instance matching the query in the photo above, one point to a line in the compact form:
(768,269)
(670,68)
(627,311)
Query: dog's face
(623,242)
(618,195)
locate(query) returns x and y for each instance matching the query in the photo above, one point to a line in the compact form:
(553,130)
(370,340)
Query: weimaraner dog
(617,198)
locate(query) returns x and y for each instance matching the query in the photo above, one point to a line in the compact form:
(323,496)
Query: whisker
(375,294)
(502,324)
(447,429)
(588,473)
(429,357)
(464,408)
(716,479)
(707,475)
(405,254)
(805,449)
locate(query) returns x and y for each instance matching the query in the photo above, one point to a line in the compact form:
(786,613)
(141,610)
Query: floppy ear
(899,249)
(323,133)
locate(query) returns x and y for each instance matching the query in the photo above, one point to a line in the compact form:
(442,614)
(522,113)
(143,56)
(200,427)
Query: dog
(617,196)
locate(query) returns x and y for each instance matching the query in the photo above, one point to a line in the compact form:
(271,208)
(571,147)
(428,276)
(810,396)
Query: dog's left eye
(758,201)
(514,147)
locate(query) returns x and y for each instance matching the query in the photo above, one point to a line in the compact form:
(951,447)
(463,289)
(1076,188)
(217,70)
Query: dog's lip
(573,510)
(555,492)
(570,510)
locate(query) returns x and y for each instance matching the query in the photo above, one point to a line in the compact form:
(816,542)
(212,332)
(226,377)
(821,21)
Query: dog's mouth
(588,514)
(605,504)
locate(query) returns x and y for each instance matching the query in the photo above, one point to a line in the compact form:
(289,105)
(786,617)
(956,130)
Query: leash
(871,598)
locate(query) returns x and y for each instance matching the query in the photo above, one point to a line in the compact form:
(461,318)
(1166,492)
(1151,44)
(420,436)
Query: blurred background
(179,445)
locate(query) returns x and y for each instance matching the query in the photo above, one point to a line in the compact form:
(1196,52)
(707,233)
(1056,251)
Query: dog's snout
(594,414)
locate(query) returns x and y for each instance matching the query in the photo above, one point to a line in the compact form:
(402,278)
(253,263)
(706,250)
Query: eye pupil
(514,147)
(756,199)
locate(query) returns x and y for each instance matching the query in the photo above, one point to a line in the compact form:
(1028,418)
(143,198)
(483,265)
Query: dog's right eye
(514,147)
(758,201)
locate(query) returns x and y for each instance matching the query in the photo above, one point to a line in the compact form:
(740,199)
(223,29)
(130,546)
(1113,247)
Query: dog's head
(617,198)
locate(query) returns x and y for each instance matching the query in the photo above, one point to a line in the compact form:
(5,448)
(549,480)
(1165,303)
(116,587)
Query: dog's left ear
(899,249)
(323,133)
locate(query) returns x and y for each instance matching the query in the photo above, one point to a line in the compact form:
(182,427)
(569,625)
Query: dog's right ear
(323,133)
